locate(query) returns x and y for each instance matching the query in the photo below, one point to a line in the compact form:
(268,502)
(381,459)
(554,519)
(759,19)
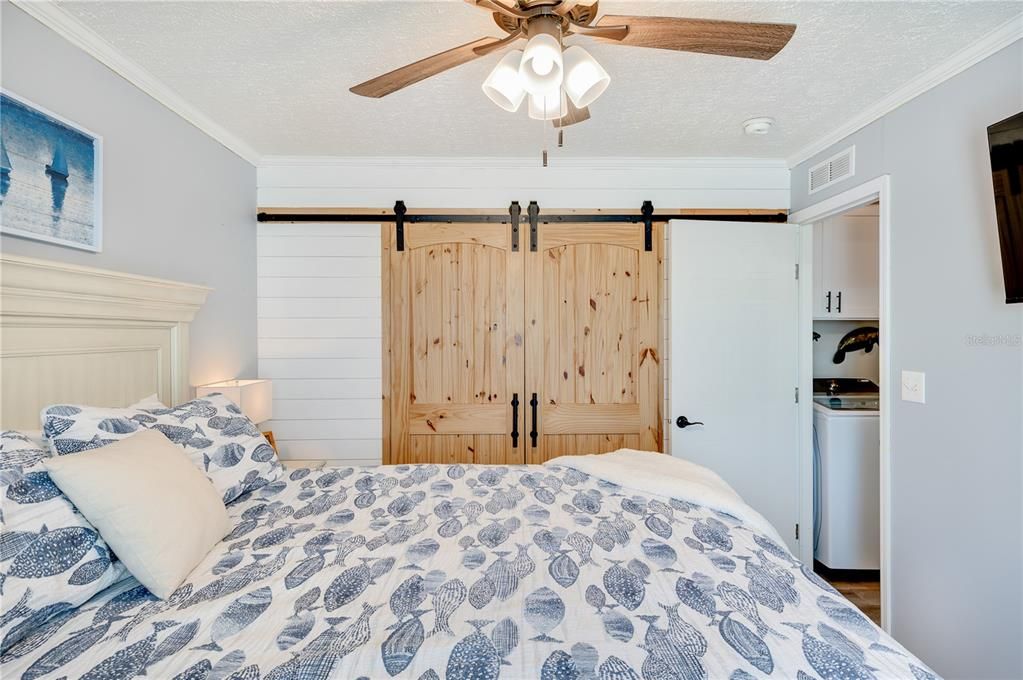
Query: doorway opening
(846,406)
(844,428)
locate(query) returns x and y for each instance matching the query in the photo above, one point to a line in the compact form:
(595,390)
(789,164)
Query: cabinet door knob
(839,302)
(829,301)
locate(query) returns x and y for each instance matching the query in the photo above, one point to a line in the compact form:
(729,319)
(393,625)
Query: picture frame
(51,176)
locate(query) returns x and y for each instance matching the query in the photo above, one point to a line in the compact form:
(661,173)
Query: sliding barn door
(593,310)
(453,327)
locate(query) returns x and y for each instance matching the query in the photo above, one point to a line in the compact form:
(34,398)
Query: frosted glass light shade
(503,85)
(549,106)
(585,79)
(542,66)
(254,397)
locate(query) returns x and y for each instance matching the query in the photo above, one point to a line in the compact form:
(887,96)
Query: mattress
(566,570)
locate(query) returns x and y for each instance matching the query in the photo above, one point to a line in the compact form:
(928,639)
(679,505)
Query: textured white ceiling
(276,74)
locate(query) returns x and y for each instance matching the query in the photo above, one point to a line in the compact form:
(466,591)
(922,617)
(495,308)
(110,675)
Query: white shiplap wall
(591,183)
(318,293)
(319,284)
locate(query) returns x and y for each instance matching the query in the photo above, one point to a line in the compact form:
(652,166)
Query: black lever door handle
(515,420)
(533,433)
(684,422)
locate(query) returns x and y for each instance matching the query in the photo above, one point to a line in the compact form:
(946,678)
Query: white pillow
(156,511)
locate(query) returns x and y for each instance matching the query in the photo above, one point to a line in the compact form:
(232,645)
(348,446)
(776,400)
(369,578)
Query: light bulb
(543,62)
(542,65)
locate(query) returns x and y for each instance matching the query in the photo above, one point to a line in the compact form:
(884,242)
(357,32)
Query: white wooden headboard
(89,336)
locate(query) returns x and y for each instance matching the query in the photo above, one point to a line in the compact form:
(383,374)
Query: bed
(625,565)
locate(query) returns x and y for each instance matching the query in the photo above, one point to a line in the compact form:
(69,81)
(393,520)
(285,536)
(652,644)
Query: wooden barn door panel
(592,337)
(455,350)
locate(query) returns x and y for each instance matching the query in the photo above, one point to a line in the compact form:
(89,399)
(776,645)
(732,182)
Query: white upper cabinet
(846,266)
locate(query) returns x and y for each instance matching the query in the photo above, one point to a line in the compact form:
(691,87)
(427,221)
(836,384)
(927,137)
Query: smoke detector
(758,126)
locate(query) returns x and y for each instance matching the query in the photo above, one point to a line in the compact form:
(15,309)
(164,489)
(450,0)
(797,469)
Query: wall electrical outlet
(913,386)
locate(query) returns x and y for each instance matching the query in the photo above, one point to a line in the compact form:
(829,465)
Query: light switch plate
(913,386)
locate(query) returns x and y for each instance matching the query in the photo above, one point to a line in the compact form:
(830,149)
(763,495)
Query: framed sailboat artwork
(50,177)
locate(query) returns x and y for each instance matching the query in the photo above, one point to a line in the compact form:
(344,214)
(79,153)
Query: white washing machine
(847,484)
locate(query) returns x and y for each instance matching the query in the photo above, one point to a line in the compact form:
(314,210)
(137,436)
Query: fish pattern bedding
(466,571)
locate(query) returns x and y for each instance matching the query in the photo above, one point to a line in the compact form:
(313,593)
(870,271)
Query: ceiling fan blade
(422,69)
(484,50)
(613,33)
(707,36)
(573,116)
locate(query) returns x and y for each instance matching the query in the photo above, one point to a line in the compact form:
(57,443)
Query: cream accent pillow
(156,511)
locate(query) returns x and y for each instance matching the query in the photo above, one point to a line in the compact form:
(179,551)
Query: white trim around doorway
(875,190)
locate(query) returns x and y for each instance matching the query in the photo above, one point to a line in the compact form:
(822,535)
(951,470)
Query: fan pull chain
(543,133)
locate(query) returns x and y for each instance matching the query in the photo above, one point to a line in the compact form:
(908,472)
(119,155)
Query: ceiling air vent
(840,166)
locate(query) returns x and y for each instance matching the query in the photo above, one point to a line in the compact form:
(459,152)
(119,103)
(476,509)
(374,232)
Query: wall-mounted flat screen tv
(1005,141)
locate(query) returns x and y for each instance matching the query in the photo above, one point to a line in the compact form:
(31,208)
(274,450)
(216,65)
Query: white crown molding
(78,34)
(516,163)
(998,39)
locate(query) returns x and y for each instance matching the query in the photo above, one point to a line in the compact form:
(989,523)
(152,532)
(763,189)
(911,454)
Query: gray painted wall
(957,478)
(176,204)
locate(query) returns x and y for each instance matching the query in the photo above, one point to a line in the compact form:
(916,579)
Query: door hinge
(797,532)
(797,271)
(797,395)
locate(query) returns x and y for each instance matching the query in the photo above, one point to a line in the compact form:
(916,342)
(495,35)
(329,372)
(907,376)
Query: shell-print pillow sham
(51,558)
(214,432)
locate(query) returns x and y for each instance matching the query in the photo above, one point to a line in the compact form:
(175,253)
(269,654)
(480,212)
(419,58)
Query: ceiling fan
(562,82)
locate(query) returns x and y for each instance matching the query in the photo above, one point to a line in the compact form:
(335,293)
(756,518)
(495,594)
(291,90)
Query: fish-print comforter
(471,571)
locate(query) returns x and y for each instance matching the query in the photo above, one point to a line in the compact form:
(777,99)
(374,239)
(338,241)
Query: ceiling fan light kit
(562,83)
(585,78)
(548,106)
(503,85)
(542,67)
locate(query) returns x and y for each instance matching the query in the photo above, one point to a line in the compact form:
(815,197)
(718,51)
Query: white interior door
(734,359)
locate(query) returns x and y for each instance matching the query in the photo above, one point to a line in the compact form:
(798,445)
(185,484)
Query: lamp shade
(254,397)
(550,106)
(542,68)
(585,79)
(503,85)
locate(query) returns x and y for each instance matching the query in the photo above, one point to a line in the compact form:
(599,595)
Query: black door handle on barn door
(682,422)
(533,433)
(515,420)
